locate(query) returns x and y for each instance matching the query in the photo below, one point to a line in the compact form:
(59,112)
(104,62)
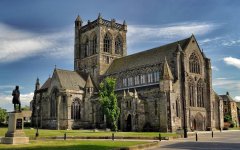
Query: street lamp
(37,134)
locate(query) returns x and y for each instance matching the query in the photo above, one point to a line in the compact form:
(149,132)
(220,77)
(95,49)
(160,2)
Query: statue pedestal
(15,133)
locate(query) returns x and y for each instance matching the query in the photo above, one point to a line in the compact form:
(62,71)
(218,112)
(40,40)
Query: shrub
(27,124)
(227,118)
(226,125)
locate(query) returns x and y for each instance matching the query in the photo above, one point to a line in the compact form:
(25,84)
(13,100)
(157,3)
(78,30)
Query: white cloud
(226,84)
(17,44)
(6,100)
(215,68)
(231,42)
(138,33)
(7,87)
(237,98)
(221,78)
(232,61)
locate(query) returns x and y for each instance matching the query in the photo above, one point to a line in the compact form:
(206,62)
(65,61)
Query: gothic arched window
(53,103)
(94,45)
(191,92)
(118,45)
(194,65)
(76,110)
(86,48)
(107,43)
(200,92)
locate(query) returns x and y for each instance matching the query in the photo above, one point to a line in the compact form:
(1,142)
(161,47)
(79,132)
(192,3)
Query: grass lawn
(70,145)
(235,128)
(87,133)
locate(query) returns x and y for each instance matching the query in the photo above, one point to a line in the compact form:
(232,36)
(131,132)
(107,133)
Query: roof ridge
(65,70)
(146,51)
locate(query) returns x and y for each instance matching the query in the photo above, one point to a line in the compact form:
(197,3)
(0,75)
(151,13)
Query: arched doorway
(129,123)
(199,122)
(194,124)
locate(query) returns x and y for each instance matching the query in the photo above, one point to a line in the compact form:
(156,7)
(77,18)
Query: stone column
(94,114)
(58,111)
(163,118)
(68,111)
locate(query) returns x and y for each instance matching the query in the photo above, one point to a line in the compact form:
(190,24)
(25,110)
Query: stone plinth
(15,133)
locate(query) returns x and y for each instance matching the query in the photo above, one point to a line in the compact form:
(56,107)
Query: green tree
(26,107)
(108,101)
(227,118)
(3,115)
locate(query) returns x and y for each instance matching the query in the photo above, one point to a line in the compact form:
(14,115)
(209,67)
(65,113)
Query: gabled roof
(147,57)
(46,85)
(238,105)
(70,80)
(227,98)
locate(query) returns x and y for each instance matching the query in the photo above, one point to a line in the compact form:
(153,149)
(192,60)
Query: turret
(37,85)
(227,93)
(78,22)
(89,86)
(78,25)
(135,94)
(166,78)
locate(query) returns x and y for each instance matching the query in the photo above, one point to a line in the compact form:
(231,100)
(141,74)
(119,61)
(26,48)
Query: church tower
(97,44)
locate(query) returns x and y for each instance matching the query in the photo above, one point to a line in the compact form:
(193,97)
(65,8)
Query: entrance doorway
(194,124)
(198,122)
(129,123)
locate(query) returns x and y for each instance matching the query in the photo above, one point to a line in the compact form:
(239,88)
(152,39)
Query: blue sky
(37,35)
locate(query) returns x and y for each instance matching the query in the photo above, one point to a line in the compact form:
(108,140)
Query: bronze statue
(16,98)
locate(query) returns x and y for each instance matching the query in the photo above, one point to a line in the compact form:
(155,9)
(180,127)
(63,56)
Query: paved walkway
(226,140)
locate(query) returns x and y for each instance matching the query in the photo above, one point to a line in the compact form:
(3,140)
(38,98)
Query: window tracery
(76,110)
(86,48)
(118,45)
(53,103)
(191,92)
(94,45)
(194,65)
(200,93)
(107,43)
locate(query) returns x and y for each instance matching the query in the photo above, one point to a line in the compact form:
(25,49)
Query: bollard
(113,136)
(36,135)
(65,136)
(220,129)
(212,134)
(160,137)
(196,137)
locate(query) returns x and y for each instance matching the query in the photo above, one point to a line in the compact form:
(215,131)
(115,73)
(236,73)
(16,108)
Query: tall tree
(108,101)
(3,115)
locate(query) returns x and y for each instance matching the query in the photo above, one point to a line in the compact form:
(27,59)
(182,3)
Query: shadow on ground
(203,145)
(69,147)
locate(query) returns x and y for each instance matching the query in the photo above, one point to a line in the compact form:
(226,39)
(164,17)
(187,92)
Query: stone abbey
(161,89)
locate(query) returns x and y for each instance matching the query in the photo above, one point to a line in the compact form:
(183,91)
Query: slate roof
(147,57)
(70,80)
(226,98)
(46,85)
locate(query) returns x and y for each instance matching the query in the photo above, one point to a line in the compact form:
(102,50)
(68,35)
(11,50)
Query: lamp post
(37,134)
